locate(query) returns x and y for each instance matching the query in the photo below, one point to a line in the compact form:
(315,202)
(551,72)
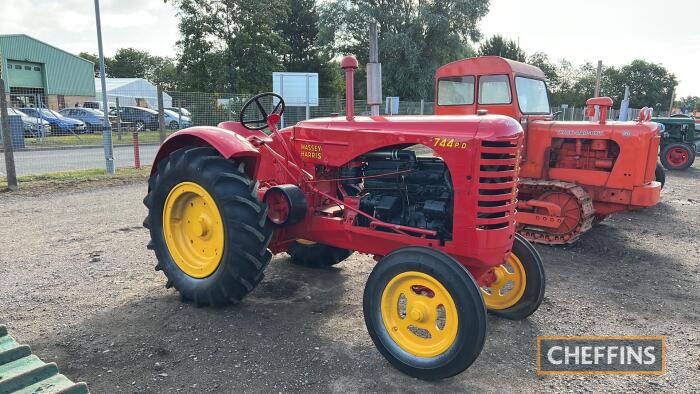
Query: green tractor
(680,141)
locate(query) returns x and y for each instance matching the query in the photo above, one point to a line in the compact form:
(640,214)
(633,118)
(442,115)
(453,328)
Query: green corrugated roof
(64,73)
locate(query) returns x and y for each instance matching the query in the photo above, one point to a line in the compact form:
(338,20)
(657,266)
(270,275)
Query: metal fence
(51,142)
(136,132)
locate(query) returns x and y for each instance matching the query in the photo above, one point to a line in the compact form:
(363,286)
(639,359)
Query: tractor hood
(595,130)
(467,126)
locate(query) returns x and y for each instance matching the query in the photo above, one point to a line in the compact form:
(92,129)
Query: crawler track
(23,372)
(535,188)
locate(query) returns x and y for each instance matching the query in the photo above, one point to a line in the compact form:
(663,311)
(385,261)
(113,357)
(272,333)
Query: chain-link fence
(578,114)
(57,137)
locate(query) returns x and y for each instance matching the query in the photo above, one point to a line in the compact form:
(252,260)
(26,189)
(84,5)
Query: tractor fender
(228,143)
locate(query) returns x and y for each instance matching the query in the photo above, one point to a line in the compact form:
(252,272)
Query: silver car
(33,127)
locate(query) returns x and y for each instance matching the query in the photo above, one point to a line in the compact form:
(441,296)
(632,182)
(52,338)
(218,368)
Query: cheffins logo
(601,355)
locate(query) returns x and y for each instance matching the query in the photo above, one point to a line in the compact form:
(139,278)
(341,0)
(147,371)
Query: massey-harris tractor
(572,174)
(222,199)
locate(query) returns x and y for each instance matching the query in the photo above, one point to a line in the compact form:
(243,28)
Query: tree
(415,38)
(195,64)
(503,47)
(541,60)
(94,59)
(236,44)
(650,84)
(129,63)
(300,32)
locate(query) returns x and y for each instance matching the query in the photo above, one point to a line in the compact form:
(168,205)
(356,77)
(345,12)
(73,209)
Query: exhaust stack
(349,65)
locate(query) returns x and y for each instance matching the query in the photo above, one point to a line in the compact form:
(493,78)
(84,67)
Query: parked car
(173,120)
(33,127)
(93,118)
(143,118)
(98,105)
(60,125)
(180,110)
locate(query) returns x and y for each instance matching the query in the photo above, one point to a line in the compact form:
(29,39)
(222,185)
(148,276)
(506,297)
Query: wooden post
(7,140)
(598,75)
(673,98)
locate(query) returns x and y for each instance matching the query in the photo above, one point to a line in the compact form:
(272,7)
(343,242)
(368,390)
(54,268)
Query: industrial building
(36,72)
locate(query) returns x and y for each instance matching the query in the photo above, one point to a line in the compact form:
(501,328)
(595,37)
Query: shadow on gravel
(690,173)
(298,331)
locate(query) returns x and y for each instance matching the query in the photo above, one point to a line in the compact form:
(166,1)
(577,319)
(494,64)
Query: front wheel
(660,175)
(424,313)
(518,289)
(677,156)
(207,226)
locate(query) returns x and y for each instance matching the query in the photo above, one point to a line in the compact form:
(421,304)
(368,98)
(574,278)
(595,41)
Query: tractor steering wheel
(259,124)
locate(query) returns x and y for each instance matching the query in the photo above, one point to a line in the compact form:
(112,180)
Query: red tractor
(572,174)
(222,200)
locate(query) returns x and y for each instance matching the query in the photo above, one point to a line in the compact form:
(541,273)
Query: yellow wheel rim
(305,242)
(419,314)
(193,230)
(509,286)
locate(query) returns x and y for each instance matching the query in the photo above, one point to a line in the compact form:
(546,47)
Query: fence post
(137,152)
(161,114)
(119,118)
(7,140)
(422,106)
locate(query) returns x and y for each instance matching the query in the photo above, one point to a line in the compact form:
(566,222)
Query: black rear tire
(464,292)
(534,282)
(245,254)
(660,175)
(316,255)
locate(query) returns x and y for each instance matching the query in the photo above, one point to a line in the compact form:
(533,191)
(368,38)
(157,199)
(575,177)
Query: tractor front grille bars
(498,175)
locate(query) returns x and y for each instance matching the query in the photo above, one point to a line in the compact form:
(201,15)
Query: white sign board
(297,89)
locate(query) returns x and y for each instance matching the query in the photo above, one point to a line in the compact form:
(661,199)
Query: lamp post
(107,127)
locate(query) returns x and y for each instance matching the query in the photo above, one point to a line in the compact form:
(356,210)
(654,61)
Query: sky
(616,32)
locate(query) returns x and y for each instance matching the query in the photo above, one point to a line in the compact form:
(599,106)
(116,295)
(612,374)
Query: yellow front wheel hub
(193,229)
(509,286)
(419,314)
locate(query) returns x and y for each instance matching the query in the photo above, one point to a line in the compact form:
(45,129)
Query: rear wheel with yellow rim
(519,283)
(424,312)
(207,226)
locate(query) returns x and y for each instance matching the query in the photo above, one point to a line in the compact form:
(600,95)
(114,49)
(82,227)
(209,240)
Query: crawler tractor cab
(572,174)
(222,199)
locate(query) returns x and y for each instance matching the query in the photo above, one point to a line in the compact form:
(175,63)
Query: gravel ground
(78,284)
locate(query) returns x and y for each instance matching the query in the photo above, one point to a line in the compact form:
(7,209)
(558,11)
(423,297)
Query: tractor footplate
(539,225)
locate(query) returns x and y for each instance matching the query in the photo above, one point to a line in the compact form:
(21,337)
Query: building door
(26,82)
(27,97)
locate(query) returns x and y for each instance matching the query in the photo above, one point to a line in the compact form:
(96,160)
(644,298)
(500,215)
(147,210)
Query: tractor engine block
(585,154)
(417,192)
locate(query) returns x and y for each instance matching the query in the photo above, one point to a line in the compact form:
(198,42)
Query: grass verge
(91,139)
(69,179)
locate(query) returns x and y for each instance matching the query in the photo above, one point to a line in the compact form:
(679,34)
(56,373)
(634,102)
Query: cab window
(456,90)
(532,95)
(494,89)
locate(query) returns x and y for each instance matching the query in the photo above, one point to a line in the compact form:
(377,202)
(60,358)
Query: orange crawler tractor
(572,174)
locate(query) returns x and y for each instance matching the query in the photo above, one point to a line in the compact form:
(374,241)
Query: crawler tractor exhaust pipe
(349,65)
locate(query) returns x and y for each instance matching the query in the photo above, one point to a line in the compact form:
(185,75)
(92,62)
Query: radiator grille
(498,174)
